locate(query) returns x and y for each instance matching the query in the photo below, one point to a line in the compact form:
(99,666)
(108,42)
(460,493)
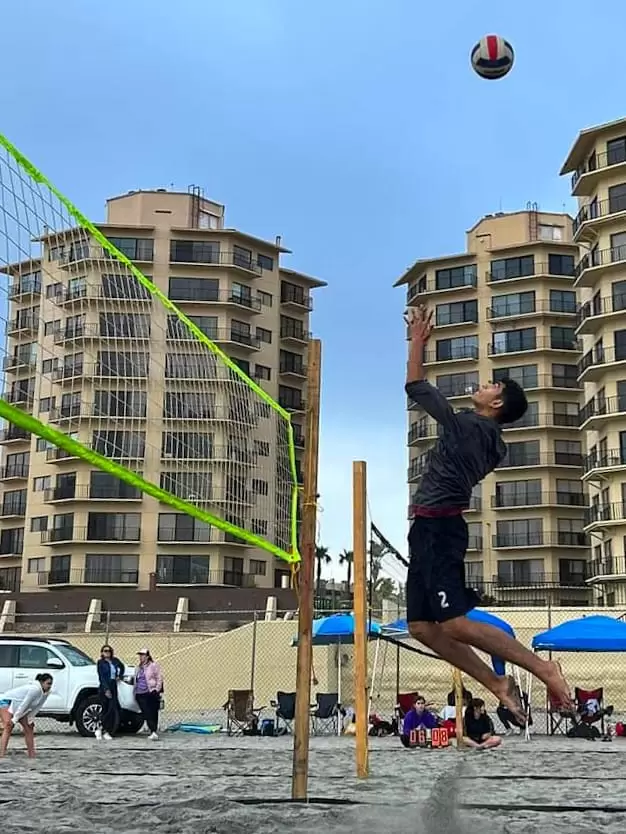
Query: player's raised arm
(421,392)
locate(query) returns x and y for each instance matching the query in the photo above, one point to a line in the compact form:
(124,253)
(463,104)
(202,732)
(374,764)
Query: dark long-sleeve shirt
(477,728)
(469,448)
(413,720)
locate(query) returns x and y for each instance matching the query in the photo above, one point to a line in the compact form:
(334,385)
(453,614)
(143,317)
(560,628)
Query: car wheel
(88,716)
(130,723)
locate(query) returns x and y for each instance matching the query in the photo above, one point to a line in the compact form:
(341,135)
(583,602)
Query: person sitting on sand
(478,727)
(417,718)
(20,706)
(448,713)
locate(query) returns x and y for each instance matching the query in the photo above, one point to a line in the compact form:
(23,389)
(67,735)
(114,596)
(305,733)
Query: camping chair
(325,713)
(241,716)
(558,720)
(405,703)
(285,706)
(590,706)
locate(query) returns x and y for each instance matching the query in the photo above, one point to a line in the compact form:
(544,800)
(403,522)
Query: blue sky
(356,130)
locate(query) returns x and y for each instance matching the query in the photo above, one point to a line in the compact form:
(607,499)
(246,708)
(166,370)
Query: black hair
(107,647)
(44,677)
(514,402)
(467,697)
(477,703)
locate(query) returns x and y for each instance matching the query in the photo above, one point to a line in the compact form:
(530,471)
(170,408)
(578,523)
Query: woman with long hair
(110,672)
(20,706)
(148,691)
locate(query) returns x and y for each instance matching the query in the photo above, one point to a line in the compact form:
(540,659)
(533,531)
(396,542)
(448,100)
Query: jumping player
(469,448)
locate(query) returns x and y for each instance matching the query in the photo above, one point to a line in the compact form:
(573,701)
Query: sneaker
(153,737)
(509,732)
(107,737)
(98,735)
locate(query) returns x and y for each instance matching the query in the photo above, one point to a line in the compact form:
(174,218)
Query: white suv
(74,695)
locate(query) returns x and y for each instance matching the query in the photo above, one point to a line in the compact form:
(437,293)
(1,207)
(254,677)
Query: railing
(90,292)
(597,210)
(533,306)
(297,299)
(289,405)
(600,307)
(234,579)
(469,279)
(13,508)
(541,538)
(15,470)
(598,356)
(607,566)
(469,352)
(30,325)
(540,579)
(218,258)
(88,576)
(475,543)
(295,335)
(600,257)
(540,343)
(17,362)
(418,432)
(542,459)
(598,162)
(101,331)
(604,460)
(597,513)
(611,405)
(450,318)
(87,534)
(85,492)
(13,434)
(19,397)
(538,269)
(215,297)
(21,287)
(292,368)
(534,420)
(538,499)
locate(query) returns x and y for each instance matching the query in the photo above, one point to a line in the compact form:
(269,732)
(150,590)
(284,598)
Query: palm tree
(322,557)
(346,557)
(384,588)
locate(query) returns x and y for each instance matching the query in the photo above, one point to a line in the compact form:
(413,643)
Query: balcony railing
(91,330)
(217,297)
(14,470)
(542,459)
(87,534)
(420,432)
(607,566)
(293,368)
(468,279)
(289,297)
(539,579)
(541,538)
(598,210)
(90,292)
(289,333)
(545,419)
(538,269)
(13,509)
(512,310)
(597,162)
(291,405)
(19,396)
(13,434)
(600,257)
(218,258)
(19,363)
(597,513)
(88,576)
(468,352)
(601,356)
(604,460)
(495,349)
(23,287)
(600,307)
(23,325)
(611,405)
(538,499)
(233,579)
(83,492)
(475,543)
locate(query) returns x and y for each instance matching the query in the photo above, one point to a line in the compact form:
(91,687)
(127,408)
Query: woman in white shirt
(20,706)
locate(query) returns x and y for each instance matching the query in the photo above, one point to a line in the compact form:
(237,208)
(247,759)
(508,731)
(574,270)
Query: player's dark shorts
(436,589)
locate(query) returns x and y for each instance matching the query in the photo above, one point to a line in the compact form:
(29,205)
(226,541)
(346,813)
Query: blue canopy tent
(588,634)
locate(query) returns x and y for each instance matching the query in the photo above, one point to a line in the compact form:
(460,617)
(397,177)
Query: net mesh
(100,365)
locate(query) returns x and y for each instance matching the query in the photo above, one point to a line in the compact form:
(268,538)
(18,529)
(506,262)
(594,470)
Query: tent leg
(339,707)
(371,693)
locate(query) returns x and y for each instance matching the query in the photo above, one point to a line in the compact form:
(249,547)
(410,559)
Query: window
(457,385)
(512,341)
(266,298)
(262,447)
(17,465)
(564,376)
(60,570)
(573,572)
(46,404)
(36,565)
(206,220)
(233,571)
(570,532)
(292,328)
(475,538)
(124,286)
(507,268)
(526,375)
(41,483)
(125,364)
(561,265)
(242,294)
(292,293)
(617,198)
(179,527)
(568,452)
(242,256)
(258,567)
(183,570)
(120,444)
(177,329)
(12,541)
(520,572)
(524,453)
(135,248)
(512,304)
(518,493)
(103,485)
(570,487)
(462,347)
(71,404)
(240,332)
(260,487)
(619,340)
(14,502)
(39,524)
(458,276)
(34,657)
(565,414)
(190,486)
(456,313)
(616,151)
(290,397)
(259,527)
(263,372)
(28,319)
(194,251)
(562,301)
(120,403)
(117,527)
(264,335)
(521,532)
(618,246)
(194,289)
(291,363)
(244,364)
(111,569)
(265,262)
(186,445)
(124,325)
(192,405)
(563,338)
(550,232)
(193,365)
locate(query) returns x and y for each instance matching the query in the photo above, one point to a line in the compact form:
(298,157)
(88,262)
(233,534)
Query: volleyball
(492,57)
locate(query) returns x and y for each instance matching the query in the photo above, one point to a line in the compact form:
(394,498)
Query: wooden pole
(359,549)
(302,718)
(457,682)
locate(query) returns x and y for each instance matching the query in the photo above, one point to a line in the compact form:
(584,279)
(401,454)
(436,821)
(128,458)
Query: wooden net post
(457,683)
(359,549)
(302,717)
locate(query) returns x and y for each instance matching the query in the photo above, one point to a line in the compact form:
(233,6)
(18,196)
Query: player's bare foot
(509,696)
(558,686)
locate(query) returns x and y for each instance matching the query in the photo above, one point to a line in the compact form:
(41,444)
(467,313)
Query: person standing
(110,671)
(20,706)
(148,690)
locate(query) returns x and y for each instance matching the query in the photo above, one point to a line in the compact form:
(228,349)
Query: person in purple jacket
(417,718)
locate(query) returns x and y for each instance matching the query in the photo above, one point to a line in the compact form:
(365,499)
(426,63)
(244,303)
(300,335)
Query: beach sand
(187,783)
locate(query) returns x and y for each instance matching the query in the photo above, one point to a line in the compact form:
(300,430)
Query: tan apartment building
(507,307)
(597,165)
(63,522)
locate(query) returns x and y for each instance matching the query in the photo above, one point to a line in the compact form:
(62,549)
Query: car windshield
(74,655)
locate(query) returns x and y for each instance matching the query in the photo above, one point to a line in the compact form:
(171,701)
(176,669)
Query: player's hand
(419,320)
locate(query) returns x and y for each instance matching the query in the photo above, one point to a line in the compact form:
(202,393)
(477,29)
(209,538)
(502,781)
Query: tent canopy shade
(337,629)
(588,634)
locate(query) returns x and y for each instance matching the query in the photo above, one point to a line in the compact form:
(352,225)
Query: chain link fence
(241,650)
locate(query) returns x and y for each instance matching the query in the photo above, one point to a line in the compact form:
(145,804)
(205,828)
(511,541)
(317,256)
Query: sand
(222,785)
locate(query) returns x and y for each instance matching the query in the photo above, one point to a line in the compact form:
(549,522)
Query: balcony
(300,337)
(289,405)
(536,345)
(213,257)
(542,459)
(550,538)
(595,363)
(539,307)
(25,288)
(226,298)
(87,576)
(69,374)
(595,215)
(88,294)
(13,434)
(16,364)
(228,578)
(544,420)
(540,270)
(13,509)
(585,179)
(539,580)
(456,355)
(63,535)
(241,415)
(417,292)
(296,370)
(604,515)
(297,300)
(58,455)
(15,472)
(87,493)
(92,331)
(596,264)
(240,339)
(21,397)
(418,433)
(595,464)
(20,327)
(591,316)
(475,543)
(609,568)
(540,499)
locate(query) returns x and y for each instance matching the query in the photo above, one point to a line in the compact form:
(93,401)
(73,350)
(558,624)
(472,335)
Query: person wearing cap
(148,690)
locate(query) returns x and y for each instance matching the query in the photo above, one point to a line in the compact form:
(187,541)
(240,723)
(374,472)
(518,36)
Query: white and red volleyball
(492,57)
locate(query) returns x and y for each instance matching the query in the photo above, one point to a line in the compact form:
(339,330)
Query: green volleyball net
(100,365)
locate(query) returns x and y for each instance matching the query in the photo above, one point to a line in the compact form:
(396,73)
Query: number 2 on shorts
(443,599)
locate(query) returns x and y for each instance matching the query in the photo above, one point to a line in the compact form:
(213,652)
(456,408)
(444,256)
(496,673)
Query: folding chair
(558,721)
(241,716)
(590,706)
(325,713)
(285,706)
(405,703)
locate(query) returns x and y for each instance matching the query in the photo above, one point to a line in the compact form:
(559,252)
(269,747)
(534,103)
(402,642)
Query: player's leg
(7,729)
(29,737)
